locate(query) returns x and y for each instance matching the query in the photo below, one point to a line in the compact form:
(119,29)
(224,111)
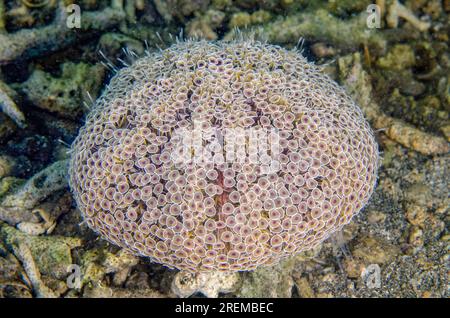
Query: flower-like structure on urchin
(222,156)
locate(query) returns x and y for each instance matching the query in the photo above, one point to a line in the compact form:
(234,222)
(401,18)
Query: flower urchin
(222,156)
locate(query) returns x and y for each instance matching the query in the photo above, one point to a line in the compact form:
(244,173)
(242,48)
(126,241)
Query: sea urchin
(222,156)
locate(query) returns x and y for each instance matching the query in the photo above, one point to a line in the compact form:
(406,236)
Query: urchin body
(222,212)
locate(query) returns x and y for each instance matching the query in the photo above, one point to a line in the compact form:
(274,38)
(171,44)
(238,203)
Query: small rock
(204,26)
(260,16)
(376,217)
(373,250)
(112,43)
(7,127)
(446,131)
(419,194)
(304,288)
(240,20)
(64,95)
(8,105)
(416,215)
(416,237)
(52,254)
(353,267)
(119,261)
(210,284)
(436,226)
(400,57)
(322,50)
(269,281)
(115,292)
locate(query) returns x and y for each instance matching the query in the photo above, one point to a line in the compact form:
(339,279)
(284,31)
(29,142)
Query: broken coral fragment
(358,84)
(28,43)
(17,207)
(397,10)
(64,95)
(9,107)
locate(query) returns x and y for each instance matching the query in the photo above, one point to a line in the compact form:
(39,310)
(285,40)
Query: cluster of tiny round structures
(233,215)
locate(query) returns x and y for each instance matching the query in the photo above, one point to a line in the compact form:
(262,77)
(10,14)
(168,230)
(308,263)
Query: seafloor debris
(8,106)
(244,19)
(273,281)
(277,280)
(2,16)
(112,43)
(108,274)
(13,279)
(7,127)
(367,252)
(399,57)
(130,8)
(7,166)
(29,43)
(170,9)
(424,205)
(412,137)
(204,26)
(360,87)
(410,83)
(19,206)
(117,292)
(319,25)
(40,255)
(23,253)
(373,250)
(210,284)
(66,94)
(397,10)
(52,253)
(96,263)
